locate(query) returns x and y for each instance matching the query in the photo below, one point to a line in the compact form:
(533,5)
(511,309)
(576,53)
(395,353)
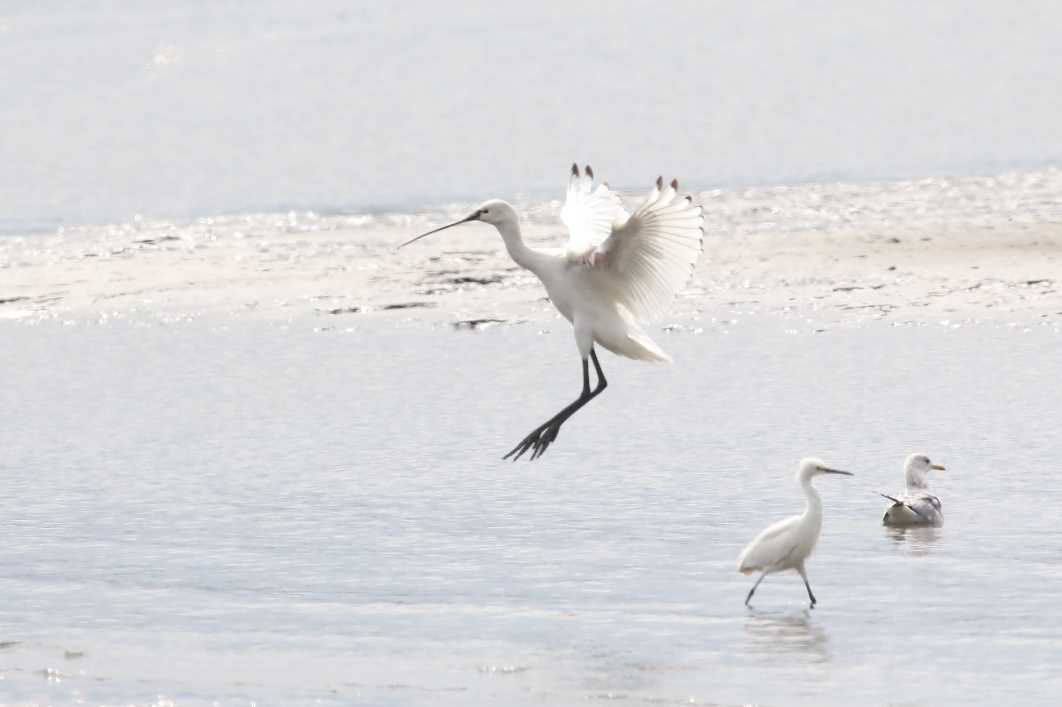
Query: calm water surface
(179,108)
(275,515)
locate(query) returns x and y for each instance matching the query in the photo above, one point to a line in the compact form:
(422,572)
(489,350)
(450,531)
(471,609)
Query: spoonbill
(916,506)
(617,270)
(786,544)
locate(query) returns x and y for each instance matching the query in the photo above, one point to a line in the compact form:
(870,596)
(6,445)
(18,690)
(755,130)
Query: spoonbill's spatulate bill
(786,544)
(618,270)
(915,506)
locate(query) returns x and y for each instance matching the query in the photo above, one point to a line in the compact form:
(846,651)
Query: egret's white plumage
(617,270)
(785,545)
(915,506)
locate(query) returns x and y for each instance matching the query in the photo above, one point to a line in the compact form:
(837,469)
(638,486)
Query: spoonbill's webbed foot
(546,433)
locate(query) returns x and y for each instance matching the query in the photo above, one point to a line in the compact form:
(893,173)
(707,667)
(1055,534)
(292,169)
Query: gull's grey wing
(908,506)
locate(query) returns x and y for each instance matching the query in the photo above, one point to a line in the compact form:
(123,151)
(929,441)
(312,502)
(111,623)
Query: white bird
(786,544)
(916,506)
(616,271)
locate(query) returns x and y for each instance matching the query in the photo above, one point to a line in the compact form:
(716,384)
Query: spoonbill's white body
(915,506)
(617,270)
(786,544)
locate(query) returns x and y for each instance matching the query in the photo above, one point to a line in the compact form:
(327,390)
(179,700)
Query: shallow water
(264,513)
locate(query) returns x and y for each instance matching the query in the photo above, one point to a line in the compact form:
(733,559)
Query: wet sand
(955,250)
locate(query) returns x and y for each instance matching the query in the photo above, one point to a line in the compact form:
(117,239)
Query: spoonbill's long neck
(514,243)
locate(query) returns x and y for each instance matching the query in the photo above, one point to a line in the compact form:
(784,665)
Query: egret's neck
(814,508)
(514,243)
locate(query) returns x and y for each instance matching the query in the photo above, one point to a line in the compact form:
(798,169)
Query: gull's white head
(813,466)
(496,212)
(916,471)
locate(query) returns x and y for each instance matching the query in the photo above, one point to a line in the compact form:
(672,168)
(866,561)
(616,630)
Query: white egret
(915,506)
(786,544)
(617,270)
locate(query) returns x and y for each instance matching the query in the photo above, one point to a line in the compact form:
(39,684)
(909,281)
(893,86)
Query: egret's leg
(804,575)
(753,590)
(544,435)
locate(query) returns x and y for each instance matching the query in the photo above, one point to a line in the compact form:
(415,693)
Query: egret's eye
(483,212)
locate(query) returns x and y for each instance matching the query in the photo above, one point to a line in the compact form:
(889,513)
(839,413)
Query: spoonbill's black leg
(753,590)
(545,434)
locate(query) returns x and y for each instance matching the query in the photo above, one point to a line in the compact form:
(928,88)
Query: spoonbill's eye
(483,212)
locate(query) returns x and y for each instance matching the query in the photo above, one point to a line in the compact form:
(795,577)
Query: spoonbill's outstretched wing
(650,256)
(588,213)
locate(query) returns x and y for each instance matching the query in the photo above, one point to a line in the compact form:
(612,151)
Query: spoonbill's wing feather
(588,212)
(650,256)
(771,547)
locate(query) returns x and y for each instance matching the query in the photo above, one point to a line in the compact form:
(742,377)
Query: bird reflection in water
(774,633)
(917,540)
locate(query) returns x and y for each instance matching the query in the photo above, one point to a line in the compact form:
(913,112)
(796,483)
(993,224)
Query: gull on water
(617,270)
(915,506)
(786,544)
